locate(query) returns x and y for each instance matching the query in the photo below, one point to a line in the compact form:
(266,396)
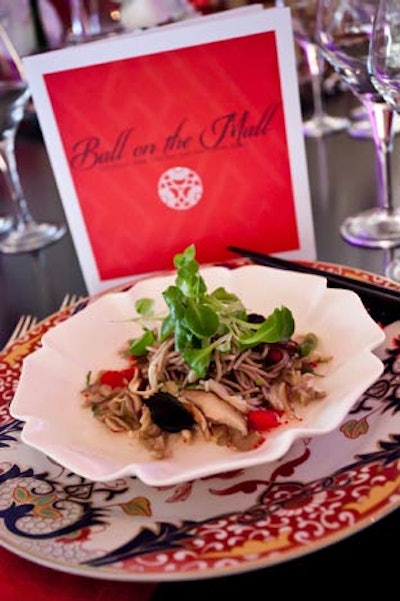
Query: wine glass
(87,23)
(303,13)
(361,129)
(5,223)
(25,234)
(384,66)
(84,25)
(344,30)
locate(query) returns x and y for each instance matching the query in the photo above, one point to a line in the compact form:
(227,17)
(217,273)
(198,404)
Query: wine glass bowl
(344,31)
(384,58)
(24,234)
(303,15)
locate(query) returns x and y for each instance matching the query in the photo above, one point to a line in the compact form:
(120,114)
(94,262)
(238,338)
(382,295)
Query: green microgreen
(308,344)
(203,322)
(88,378)
(138,347)
(145,307)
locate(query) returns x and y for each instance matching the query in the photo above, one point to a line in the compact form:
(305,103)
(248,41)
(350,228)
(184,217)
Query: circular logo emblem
(180,188)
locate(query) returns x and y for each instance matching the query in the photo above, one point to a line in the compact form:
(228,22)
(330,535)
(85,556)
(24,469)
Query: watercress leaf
(198,360)
(186,281)
(191,283)
(278,327)
(184,257)
(284,322)
(167,327)
(189,270)
(227,304)
(201,320)
(201,286)
(145,307)
(184,338)
(175,302)
(138,346)
(223,295)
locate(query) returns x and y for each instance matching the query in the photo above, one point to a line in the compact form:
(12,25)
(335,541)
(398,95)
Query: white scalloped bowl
(47,397)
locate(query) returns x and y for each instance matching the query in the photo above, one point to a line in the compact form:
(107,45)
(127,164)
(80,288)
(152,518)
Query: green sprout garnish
(203,322)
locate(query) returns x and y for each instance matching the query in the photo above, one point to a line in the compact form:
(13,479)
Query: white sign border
(226,25)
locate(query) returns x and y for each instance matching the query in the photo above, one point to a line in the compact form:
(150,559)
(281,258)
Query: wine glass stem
(382,121)
(94,17)
(314,64)
(9,169)
(78,18)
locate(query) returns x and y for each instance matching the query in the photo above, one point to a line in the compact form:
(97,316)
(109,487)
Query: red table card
(175,135)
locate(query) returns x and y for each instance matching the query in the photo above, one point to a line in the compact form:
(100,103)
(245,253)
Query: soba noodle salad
(206,369)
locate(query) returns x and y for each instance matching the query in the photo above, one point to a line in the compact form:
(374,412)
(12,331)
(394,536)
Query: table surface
(342,181)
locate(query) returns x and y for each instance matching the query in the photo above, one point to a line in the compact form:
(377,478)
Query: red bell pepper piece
(117,378)
(263,419)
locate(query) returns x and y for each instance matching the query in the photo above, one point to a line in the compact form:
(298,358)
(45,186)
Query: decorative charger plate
(216,525)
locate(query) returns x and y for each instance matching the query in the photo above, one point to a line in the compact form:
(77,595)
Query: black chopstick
(368,292)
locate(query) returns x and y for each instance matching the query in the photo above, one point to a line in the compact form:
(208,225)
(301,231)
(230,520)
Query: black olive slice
(255,318)
(168,413)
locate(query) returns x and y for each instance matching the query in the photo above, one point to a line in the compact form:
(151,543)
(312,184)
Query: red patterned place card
(178,134)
